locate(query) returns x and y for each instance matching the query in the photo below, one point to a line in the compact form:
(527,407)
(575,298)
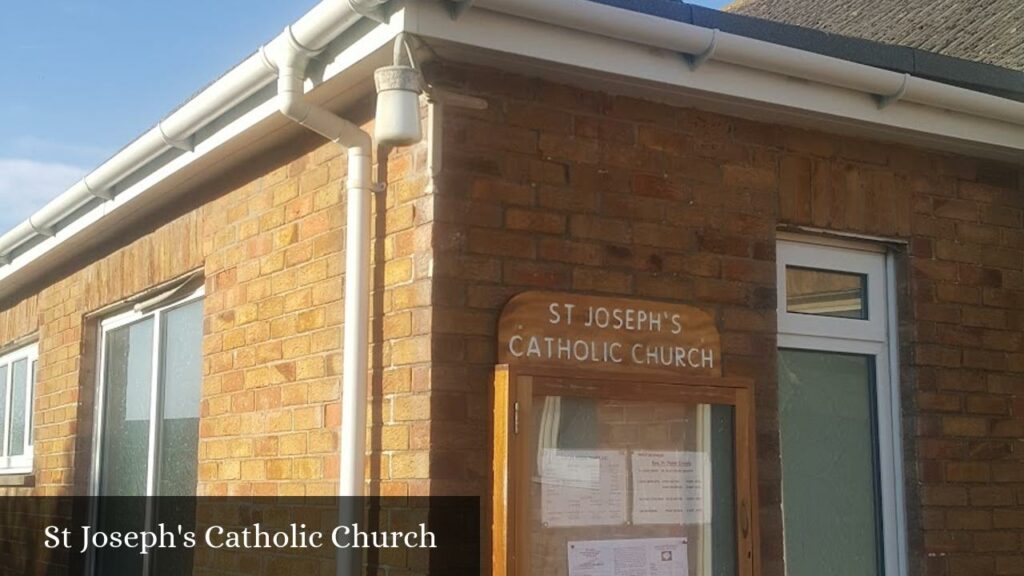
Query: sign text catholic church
(614,333)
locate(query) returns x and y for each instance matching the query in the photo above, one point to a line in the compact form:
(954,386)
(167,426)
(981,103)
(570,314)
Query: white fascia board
(631,67)
(347,69)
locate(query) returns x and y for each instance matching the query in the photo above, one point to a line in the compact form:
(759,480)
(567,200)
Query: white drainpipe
(397,123)
(358,192)
(355,348)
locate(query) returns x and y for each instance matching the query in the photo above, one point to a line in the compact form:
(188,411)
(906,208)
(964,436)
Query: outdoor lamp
(398,103)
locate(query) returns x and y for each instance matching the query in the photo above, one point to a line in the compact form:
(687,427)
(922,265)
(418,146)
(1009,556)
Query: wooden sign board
(573,330)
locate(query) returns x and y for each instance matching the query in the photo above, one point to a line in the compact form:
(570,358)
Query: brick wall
(271,246)
(273,365)
(272,253)
(558,188)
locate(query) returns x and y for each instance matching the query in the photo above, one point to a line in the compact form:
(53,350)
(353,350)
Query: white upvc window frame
(875,336)
(21,464)
(156,397)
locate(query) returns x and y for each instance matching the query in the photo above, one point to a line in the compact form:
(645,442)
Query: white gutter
(704,43)
(313,31)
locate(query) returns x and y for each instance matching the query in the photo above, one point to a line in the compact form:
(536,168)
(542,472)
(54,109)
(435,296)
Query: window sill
(17,479)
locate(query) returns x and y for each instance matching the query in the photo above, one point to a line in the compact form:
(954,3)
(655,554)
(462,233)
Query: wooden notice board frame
(514,388)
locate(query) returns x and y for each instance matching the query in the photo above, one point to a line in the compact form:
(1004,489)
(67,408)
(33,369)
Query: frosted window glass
(127,382)
(829,466)
(181,377)
(19,384)
(3,410)
(125,440)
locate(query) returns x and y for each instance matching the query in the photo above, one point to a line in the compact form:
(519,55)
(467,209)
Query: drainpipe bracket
(456,8)
(267,60)
(694,61)
(101,193)
(297,47)
(47,231)
(376,13)
(185,145)
(378,187)
(885,101)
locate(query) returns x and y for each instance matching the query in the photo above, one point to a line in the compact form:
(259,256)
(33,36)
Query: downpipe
(397,123)
(355,347)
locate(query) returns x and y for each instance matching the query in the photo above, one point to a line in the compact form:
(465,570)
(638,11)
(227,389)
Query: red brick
(551,276)
(987,405)
(538,117)
(569,251)
(596,280)
(499,243)
(588,227)
(606,129)
(964,426)
(955,209)
(534,221)
(939,402)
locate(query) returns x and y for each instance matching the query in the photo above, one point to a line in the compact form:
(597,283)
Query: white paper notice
(671,487)
(571,468)
(583,487)
(638,557)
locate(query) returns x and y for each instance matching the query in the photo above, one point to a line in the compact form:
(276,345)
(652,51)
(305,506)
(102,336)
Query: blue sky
(83,78)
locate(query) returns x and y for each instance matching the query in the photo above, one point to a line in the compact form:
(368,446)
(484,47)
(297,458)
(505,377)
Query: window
(17,386)
(147,424)
(839,411)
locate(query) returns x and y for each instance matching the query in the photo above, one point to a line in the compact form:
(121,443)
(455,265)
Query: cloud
(26,185)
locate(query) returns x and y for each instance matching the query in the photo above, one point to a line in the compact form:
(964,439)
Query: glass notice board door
(624,476)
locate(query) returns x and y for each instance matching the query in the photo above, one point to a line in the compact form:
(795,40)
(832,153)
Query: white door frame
(877,337)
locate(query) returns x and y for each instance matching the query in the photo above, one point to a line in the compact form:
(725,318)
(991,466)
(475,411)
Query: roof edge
(975,76)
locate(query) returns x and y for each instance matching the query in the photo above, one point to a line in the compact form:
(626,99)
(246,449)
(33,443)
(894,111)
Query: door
(839,411)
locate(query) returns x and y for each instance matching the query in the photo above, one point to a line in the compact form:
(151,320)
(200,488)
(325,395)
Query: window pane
(127,384)
(3,410)
(32,394)
(125,440)
(632,482)
(826,293)
(829,471)
(19,384)
(181,378)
